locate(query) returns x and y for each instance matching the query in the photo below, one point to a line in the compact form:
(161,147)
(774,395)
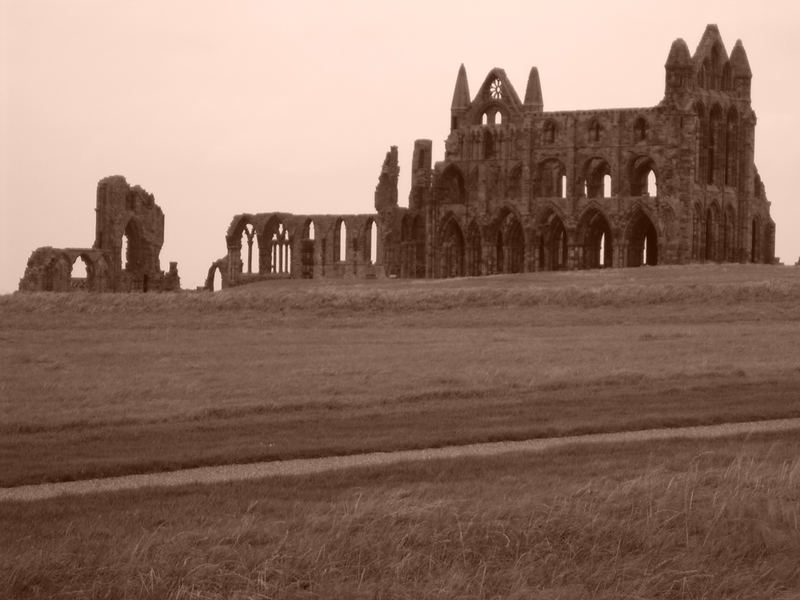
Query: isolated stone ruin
(125,254)
(521,189)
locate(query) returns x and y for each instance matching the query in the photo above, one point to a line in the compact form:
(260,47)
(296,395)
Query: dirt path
(308,466)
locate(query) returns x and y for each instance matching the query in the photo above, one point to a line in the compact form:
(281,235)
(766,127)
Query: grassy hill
(107,384)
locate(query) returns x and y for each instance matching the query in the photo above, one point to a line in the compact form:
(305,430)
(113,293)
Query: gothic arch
(643,177)
(552,241)
(594,238)
(450,188)
(597,178)
(641,239)
(277,249)
(451,248)
(509,242)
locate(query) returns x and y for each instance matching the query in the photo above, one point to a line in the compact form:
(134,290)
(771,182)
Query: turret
(533,93)
(740,71)
(678,69)
(461,99)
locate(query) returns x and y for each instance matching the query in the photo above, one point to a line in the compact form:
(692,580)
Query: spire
(740,66)
(679,55)
(461,93)
(533,93)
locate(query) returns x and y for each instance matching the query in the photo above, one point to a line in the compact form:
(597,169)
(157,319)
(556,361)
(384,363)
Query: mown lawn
(712,520)
(112,384)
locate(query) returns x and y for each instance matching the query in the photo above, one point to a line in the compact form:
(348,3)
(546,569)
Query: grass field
(111,384)
(711,520)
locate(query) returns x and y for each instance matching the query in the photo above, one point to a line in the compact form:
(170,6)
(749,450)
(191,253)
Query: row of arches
(271,250)
(550,180)
(505,246)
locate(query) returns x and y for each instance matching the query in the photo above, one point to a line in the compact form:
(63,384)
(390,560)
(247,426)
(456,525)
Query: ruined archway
(597,175)
(451,250)
(553,245)
(595,239)
(641,239)
(278,247)
(642,177)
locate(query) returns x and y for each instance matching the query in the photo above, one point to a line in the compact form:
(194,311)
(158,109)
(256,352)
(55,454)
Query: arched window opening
(340,242)
(371,240)
(132,249)
(563,190)
(652,190)
(308,230)
(79,268)
(597,183)
(281,251)
(498,119)
(485,119)
(216,282)
(249,254)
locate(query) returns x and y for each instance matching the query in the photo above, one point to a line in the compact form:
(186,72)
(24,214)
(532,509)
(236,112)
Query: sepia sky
(219,108)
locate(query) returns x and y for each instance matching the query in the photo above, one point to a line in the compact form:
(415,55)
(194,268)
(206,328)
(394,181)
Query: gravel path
(239,472)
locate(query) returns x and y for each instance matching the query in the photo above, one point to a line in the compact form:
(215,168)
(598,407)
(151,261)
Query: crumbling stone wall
(123,212)
(521,189)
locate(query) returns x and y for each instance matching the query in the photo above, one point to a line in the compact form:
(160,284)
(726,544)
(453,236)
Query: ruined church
(522,189)
(129,234)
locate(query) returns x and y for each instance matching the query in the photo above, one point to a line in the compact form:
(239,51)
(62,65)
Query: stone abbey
(522,189)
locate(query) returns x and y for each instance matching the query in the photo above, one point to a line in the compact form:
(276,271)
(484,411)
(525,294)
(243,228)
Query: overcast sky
(219,108)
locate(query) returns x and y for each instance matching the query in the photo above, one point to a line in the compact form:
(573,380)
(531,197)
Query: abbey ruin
(521,189)
(125,255)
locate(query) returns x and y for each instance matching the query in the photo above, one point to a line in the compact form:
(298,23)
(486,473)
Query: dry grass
(102,385)
(673,520)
